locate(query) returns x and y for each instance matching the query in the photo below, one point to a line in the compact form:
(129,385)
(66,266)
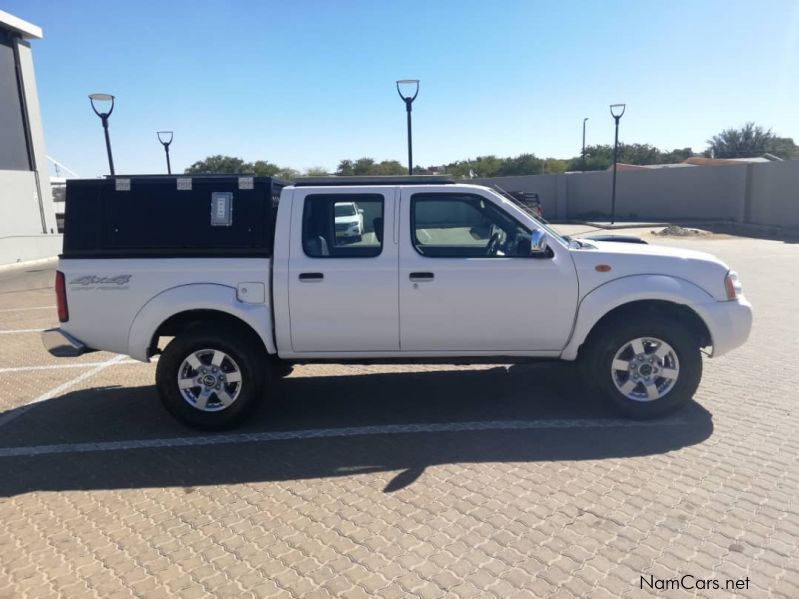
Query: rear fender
(201,296)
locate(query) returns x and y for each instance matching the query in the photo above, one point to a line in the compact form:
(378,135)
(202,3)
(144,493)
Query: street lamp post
(583,154)
(408,107)
(97,99)
(165,142)
(616,111)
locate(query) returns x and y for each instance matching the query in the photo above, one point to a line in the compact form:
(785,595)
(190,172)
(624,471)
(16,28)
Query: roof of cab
(373,180)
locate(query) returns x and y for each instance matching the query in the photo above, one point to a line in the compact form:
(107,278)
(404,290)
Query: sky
(306,83)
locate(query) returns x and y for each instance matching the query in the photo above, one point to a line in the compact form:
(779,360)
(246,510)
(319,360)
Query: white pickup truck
(439,271)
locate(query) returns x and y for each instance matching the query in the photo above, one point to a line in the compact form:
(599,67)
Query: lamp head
(165,137)
(408,82)
(100,99)
(617,110)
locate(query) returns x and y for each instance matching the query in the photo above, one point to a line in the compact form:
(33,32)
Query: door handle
(311,277)
(421,276)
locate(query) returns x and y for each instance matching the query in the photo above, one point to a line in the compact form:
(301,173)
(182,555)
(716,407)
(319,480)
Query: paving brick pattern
(567,512)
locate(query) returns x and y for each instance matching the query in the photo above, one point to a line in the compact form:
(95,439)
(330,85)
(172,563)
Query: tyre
(645,369)
(212,379)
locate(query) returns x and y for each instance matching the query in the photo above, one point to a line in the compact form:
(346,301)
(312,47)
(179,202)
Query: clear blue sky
(306,83)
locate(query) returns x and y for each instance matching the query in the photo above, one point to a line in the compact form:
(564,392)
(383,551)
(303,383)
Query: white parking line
(26,309)
(55,391)
(61,366)
(20,331)
(332,433)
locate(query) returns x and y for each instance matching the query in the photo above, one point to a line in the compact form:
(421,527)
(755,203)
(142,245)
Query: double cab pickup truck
(235,279)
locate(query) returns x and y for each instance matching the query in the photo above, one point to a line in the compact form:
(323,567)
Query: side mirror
(538,243)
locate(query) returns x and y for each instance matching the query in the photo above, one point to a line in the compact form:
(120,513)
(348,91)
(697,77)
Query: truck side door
(465,288)
(342,274)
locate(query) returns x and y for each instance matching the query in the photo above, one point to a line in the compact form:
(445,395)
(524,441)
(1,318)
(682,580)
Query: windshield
(345,209)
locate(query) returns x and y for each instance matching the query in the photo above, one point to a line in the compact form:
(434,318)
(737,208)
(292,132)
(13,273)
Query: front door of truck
(467,284)
(343,271)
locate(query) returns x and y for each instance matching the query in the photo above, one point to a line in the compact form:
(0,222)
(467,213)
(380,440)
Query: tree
(555,165)
(286,173)
(219,164)
(368,166)
(231,165)
(316,171)
(600,157)
(264,168)
(389,167)
(677,155)
(783,147)
(749,141)
(345,168)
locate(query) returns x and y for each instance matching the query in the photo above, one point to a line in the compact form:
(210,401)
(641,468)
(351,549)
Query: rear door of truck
(342,274)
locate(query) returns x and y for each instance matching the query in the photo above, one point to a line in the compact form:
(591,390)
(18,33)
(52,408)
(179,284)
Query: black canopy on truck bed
(170,216)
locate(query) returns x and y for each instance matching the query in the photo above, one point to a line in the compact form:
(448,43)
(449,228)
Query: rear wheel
(646,370)
(212,380)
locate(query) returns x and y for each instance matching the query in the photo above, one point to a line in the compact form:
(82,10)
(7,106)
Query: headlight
(733,285)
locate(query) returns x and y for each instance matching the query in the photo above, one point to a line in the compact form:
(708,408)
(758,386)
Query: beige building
(27,220)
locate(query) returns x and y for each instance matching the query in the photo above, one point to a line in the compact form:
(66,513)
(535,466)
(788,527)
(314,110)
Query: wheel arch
(656,294)
(181,322)
(657,309)
(174,310)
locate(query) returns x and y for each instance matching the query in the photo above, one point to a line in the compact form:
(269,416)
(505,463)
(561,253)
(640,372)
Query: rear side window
(342,225)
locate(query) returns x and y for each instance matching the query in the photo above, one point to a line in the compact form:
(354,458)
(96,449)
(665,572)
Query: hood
(627,259)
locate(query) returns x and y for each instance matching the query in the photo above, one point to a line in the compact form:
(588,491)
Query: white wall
(27,217)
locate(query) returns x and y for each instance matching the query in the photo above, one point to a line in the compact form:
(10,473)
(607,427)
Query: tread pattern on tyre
(612,334)
(236,343)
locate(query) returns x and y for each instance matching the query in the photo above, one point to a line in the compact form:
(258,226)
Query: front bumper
(62,345)
(729,323)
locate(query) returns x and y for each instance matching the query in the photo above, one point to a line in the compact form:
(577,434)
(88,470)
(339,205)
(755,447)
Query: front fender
(625,290)
(200,296)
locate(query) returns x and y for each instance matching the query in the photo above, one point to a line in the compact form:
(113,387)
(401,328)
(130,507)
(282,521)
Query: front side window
(342,225)
(464,226)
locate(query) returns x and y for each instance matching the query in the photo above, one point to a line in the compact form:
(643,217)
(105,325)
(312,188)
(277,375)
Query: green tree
(600,157)
(783,147)
(264,168)
(523,164)
(555,165)
(219,164)
(287,174)
(388,167)
(677,155)
(315,171)
(226,165)
(749,141)
(345,168)
(368,166)
(363,166)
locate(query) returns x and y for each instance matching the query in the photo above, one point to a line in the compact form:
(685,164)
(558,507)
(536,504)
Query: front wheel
(211,380)
(645,370)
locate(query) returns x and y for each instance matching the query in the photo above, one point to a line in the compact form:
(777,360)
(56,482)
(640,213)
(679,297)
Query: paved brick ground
(570,502)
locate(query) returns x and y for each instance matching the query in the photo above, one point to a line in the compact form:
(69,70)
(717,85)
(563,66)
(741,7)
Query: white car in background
(349,220)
